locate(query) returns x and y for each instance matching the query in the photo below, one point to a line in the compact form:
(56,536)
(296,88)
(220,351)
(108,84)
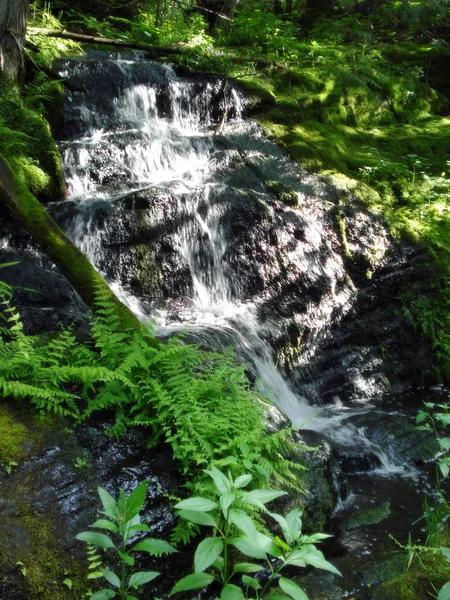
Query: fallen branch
(156,51)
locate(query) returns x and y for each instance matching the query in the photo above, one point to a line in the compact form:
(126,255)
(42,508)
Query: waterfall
(155,142)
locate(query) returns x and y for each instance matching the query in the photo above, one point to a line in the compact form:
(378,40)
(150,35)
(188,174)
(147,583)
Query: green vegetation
(231,517)
(199,402)
(358,94)
(123,521)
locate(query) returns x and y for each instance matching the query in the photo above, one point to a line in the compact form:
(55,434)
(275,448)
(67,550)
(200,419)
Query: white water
(179,150)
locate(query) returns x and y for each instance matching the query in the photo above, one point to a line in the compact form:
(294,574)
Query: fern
(199,402)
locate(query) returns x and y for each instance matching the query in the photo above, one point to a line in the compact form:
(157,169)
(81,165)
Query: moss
(427,572)
(66,256)
(368,516)
(29,145)
(32,553)
(283,193)
(13,435)
(385,571)
(146,276)
(339,219)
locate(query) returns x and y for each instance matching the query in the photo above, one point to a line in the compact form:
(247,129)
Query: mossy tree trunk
(13,22)
(71,262)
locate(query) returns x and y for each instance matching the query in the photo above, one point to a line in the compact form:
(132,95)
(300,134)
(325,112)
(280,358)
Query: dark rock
(44,299)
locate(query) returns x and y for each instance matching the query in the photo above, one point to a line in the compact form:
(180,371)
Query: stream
(202,225)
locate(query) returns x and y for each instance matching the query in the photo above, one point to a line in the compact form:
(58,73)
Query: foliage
(435,418)
(230,515)
(123,523)
(199,402)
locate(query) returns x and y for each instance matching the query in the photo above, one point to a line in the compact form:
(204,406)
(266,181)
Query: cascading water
(137,144)
(186,209)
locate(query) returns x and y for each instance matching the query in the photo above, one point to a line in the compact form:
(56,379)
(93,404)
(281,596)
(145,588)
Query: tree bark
(71,262)
(94,39)
(13,22)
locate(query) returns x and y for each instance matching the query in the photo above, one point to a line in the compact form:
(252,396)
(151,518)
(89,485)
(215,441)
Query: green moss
(12,437)
(426,573)
(283,193)
(368,516)
(27,142)
(30,548)
(146,275)
(66,256)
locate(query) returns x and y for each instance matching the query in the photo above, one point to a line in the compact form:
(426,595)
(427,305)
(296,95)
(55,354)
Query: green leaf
(104,524)
(128,597)
(292,589)
(220,480)
(421,416)
(104,595)
(444,592)
(141,577)
(315,558)
(242,521)
(247,547)
(260,498)
(136,500)
(207,552)
(231,592)
(242,481)
(244,448)
(251,582)
(315,537)
(200,518)
(444,468)
(109,504)
(96,539)
(155,547)
(122,503)
(139,527)
(247,568)
(197,504)
(446,553)
(444,418)
(195,581)
(129,560)
(262,471)
(110,577)
(226,500)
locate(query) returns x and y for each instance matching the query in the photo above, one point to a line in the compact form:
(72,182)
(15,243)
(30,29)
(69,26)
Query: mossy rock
(283,193)
(369,516)
(31,150)
(13,436)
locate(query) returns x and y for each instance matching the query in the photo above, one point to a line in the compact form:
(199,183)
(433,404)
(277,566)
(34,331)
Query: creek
(204,226)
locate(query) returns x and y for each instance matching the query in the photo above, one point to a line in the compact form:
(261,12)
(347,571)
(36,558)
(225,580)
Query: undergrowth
(199,402)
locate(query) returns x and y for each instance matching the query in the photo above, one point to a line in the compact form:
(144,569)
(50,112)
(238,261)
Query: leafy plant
(232,517)
(200,402)
(435,417)
(123,522)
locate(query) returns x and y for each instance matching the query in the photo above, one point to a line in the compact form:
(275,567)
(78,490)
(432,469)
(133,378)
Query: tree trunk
(13,22)
(71,262)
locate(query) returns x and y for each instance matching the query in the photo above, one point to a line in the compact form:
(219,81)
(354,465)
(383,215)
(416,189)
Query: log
(156,51)
(70,261)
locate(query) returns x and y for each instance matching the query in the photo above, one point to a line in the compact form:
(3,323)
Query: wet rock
(323,482)
(52,495)
(44,299)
